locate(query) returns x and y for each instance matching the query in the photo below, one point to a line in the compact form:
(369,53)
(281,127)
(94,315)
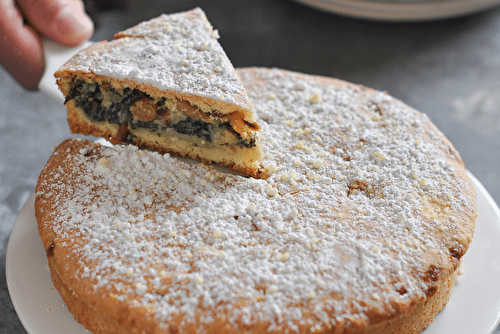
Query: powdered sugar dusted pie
(360,227)
(168,85)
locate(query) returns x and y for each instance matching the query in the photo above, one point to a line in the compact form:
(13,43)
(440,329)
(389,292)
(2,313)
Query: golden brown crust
(98,313)
(422,314)
(426,255)
(413,322)
(112,316)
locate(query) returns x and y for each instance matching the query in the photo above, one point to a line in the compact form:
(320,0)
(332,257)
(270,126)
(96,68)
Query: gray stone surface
(448,69)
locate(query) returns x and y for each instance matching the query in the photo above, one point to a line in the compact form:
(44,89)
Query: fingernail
(75,27)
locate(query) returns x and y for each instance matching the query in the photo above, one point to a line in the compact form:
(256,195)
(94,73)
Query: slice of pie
(167,85)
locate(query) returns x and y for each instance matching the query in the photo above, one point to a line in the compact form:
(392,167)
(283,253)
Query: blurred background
(448,68)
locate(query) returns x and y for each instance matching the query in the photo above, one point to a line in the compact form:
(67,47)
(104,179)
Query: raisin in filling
(111,106)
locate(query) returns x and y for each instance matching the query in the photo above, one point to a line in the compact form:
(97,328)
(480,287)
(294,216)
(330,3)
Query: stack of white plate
(402,10)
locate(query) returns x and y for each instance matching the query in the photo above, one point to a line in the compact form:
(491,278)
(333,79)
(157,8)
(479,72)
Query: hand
(23,22)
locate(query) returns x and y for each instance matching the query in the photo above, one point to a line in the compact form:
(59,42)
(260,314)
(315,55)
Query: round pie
(359,228)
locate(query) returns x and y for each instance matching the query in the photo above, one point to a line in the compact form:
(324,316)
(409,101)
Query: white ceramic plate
(402,10)
(474,306)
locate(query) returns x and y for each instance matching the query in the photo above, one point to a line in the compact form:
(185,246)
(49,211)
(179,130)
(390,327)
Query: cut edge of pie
(167,85)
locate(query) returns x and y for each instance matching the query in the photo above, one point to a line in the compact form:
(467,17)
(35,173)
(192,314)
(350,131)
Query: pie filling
(136,109)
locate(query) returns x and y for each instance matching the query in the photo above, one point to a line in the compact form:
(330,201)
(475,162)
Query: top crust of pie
(362,222)
(174,55)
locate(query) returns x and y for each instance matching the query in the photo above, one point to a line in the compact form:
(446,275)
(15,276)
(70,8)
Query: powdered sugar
(345,227)
(177,52)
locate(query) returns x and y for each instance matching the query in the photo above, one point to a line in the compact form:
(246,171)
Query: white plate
(402,10)
(474,306)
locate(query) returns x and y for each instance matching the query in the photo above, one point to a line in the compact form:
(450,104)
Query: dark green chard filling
(89,97)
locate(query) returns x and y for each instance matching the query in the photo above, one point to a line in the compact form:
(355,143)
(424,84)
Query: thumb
(63,21)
